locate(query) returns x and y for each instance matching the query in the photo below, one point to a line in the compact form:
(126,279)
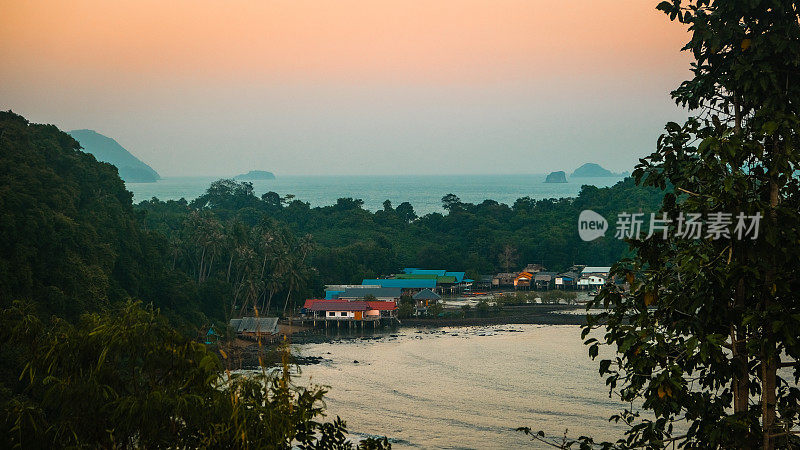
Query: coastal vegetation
(345,243)
(82,362)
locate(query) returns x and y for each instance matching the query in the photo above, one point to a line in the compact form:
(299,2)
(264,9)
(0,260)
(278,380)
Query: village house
(413,280)
(543,280)
(254,326)
(484,282)
(593,277)
(424,299)
(523,280)
(378,293)
(407,286)
(504,279)
(566,280)
(359,310)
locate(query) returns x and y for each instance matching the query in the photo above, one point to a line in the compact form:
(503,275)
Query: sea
(424,192)
(464,387)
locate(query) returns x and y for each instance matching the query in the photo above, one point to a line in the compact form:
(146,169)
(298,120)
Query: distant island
(594,170)
(105,149)
(556,177)
(256,175)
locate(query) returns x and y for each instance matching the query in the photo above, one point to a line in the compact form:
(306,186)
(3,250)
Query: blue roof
(459,276)
(381,292)
(403,284)
(439,273)
(332,295)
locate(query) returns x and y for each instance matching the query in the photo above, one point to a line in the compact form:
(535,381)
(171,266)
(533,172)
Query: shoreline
(247,354)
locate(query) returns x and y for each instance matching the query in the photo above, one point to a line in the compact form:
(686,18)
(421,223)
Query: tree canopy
(706,337)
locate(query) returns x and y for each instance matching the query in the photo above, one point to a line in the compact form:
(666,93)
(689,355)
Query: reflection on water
(465,387)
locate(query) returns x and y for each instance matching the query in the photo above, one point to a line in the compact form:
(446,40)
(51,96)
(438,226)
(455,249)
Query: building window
(344,313)
(331,313)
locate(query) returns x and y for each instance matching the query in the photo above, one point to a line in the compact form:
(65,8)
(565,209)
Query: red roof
(338,305)
(311,301)
(316,304)
(382,305)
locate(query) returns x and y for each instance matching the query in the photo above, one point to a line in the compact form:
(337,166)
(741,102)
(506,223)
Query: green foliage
(352,244)
(406,307)
(71,240)
(435,310)
(482,308)
(708,324)
(558,296)
(126,379)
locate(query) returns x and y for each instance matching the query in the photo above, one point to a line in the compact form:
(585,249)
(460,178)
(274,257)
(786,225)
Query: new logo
(591,225)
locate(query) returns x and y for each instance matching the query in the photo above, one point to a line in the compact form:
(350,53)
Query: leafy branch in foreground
(124,378)
(706,337)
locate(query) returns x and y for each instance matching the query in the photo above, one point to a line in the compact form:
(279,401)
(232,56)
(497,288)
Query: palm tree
(295,277)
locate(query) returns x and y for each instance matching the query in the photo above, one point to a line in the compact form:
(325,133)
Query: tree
(508,257)
(406,212)
(450,202)
(406,307)
(435,310)
(709,322)
(125,379)
(482,308)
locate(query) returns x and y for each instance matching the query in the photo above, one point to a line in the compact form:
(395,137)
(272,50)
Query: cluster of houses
(535,276)
(377,299)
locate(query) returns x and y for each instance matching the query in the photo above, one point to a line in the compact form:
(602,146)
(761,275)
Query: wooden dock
(344,322)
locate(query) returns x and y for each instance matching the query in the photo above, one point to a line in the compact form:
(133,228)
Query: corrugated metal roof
(311,301)
(426,294)
(416,276)
(383,292)
(438,272)
(569,274)
(331,295)
(403,284)
(339,306)
(382,306)
(343,287)
(459,275)
(266,325)
(595,269)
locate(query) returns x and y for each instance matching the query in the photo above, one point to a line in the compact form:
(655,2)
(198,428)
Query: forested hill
(131,168)
(72,241)
(69,237)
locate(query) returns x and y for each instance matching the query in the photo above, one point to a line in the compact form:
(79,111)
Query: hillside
(105,149)
(594,170)
(71,239)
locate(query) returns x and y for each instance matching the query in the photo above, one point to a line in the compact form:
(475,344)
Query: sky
(301,87)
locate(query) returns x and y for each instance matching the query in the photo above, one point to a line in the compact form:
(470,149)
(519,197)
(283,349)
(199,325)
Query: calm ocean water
(424,192)
(466,387)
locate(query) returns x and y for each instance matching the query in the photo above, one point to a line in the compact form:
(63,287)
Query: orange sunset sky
(208,87)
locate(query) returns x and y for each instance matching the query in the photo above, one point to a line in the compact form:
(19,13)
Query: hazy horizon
(202,88)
